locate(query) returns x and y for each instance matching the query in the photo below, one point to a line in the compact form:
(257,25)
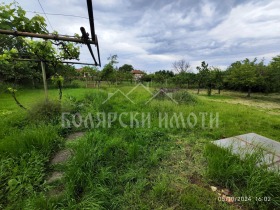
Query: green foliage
(21,177)
(124,168)
(41,138)
(246,74)
(100,156)
(273,76)
(58,81)
(13,93)
(11,19)
(28,72)
(184,97)
(108,72)
(205,77)
(162,76)
(126,68)
(45,111)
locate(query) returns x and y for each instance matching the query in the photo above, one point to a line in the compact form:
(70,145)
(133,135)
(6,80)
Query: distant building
(137,74)
(81,72)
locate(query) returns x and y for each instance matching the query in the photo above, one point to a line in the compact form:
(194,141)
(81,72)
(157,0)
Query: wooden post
(44,79)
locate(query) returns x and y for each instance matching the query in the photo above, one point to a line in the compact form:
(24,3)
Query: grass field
(134,167)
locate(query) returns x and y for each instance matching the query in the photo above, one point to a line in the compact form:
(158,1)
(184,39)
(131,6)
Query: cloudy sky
(151,34)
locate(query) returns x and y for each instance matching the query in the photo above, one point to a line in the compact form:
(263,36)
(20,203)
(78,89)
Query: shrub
(185,97)
(47,111)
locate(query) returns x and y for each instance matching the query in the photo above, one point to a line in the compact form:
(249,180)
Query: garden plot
(250,143)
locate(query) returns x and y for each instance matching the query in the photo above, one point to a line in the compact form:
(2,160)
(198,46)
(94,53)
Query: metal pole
(45,36)
(44,79)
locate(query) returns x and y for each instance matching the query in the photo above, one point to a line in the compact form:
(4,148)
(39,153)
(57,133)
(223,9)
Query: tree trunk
(18,103)
(209,90)
(60,91)
(219,91)
(249,92)
(198,89)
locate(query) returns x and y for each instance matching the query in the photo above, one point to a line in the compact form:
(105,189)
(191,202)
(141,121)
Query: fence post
(44,79)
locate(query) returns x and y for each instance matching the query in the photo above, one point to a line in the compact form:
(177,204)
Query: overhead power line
(57,14)
(45,14)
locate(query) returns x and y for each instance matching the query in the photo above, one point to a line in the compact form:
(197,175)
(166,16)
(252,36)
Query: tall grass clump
(184,97)
(105,165)
(45,111)
(21,177)
(41,138)
(243,177)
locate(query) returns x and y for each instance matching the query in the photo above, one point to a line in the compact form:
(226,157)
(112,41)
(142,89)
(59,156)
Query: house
(137,74)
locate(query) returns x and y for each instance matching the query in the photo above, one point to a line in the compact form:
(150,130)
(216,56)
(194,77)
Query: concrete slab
(248,143)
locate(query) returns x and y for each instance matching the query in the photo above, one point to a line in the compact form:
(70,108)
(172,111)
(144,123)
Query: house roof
(80,69)
(137,72)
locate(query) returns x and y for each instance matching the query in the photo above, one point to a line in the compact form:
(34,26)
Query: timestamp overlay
(244,198)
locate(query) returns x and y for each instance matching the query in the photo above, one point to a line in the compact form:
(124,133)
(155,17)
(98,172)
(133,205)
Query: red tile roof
(137,72)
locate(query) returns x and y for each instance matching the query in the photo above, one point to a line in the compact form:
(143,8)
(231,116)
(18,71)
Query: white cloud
(152,34)
(251,20)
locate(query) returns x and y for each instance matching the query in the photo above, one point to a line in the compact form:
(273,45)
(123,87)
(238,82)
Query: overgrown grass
(127,168)
(243,177)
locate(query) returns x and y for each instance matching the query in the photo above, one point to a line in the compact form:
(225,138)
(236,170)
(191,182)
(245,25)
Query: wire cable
(57,14)
(8,39)
(45,14)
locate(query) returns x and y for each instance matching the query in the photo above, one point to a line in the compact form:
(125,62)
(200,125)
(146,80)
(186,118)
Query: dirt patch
(74,136)
(62,156)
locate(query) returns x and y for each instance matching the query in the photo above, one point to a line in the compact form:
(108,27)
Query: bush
(185,98)
(47,111)
(73,84)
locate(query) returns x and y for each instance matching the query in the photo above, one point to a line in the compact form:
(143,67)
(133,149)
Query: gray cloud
(150,35)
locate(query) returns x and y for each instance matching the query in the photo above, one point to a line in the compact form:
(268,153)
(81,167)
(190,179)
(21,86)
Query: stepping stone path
(62,156)
(55,176)
(252,142)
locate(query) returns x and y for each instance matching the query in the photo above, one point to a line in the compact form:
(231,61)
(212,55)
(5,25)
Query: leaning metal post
(43,65)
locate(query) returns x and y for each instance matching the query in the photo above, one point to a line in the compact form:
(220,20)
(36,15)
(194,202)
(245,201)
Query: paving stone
(74,136)
(55,176)
(61,156)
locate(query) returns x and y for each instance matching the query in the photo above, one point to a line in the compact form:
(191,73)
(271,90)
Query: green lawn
(152,167)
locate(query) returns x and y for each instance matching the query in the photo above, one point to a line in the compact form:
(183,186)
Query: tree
(273,77)
(246,74)
(126,68)
(218,78)
(58,81)
(109,72)
(113,59)
(203,76)
(181,66)
(13,17)
(163,75)
(13,48)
